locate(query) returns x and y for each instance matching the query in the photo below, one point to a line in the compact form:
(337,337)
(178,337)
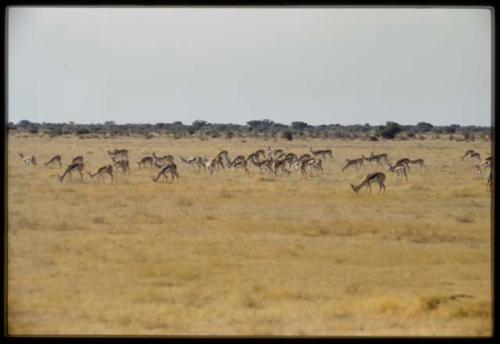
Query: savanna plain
(248,254)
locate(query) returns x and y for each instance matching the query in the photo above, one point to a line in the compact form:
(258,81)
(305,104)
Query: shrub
(287,135)
(388,131)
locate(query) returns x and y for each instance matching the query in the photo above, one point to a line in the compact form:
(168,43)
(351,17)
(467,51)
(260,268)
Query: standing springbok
(73,167)
(300,165)
(210,165)
(108,169)
(28,160)
(316,165)
(489,181)
(123,165)
(121,154)
(171,169)
(322,152)
(376,177)
(486,163)
(378,158)
(56,158)
(163,159)
(383,157)
(419,162)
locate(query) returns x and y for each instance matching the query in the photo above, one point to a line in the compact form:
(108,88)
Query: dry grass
(234,254)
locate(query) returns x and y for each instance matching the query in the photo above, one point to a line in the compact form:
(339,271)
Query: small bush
(287,135)
(389,131)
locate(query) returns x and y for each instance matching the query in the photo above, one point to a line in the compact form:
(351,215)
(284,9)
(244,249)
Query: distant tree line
(256,128)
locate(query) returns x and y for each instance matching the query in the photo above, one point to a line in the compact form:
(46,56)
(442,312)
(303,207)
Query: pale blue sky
(232,65)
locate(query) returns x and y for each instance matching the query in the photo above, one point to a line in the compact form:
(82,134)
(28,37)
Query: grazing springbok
(78,158)
(475,155)
(399,170)
(28,160)
(108,169)
(54,159)
(261,152)
(73,167)
(376,177)
(403,161)
(252,156)
(467,154)
(358,163)
(146,160)
(168,169)
(262,164)
(194,161)
(223,155)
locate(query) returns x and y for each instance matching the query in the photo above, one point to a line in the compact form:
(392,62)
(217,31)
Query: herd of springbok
(275,161)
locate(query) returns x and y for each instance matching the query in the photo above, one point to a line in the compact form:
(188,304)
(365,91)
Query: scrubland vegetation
(257,254)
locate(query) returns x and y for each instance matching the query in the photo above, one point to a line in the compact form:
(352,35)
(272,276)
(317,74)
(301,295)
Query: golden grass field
(237,254)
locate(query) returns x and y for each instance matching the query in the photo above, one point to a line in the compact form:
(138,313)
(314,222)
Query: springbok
(358,163)
(419,162)
(376,177)
(399,170)
(122,165)
(403,161)
(322,152)
(108,169)
(73,167)
(28,160)
(163,159)
(467,154)
(168,169)
(316,165)
(55,158)
(146,160)
(78,158)
(121,154)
